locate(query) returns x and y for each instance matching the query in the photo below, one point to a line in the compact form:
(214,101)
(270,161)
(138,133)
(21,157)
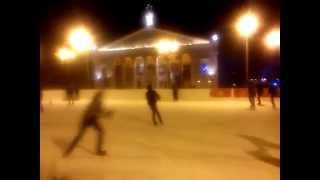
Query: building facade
(157,57)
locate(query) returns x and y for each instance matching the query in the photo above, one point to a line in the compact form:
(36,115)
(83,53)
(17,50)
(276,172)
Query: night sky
(112,19)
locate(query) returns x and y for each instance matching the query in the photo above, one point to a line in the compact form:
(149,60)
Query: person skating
(252,93)
(175,91)
(260,87)
(152,97)
(90,119)
(75,92)
(69,94)
(273,87)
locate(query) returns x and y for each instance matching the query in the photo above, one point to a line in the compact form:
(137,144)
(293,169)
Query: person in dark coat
(252,91)
(75,92)
(152,97)
(175,91)
(90,119)
(273,87)
(69,94)
(260,87)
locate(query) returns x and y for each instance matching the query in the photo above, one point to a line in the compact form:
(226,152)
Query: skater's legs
(76,140)
(158,114)
(259,100)
(100,139)
(252,103)
(153,111)
(272,102)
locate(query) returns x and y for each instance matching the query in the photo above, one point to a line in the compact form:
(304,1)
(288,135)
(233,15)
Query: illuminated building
(158,57)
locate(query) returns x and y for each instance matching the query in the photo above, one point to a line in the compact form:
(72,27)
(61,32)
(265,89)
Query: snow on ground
(219,139)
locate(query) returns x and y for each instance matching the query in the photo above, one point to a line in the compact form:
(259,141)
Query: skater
(175,91)
(252,93)
(273,87)
(260,87)
(76,92)
(152,97)
(90,119)
(69,94)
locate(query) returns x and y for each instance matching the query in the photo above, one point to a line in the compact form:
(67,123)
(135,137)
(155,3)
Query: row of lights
(209,81)
(80,40)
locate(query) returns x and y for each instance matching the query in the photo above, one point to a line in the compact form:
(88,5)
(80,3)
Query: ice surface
(219,139)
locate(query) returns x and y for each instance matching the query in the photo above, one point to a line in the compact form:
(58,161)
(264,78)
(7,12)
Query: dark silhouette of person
(152,97)
(69,94)
(90,119)
(75,92)
(252,93)
(260,87)
(273,87)
(175,91)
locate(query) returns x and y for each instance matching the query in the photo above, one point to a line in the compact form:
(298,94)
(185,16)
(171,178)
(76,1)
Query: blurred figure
(69,94)
(75,92)
(152,97)
(175,91)
(72,93)
(252,93)
(90,119)
(273,87)
(260,87)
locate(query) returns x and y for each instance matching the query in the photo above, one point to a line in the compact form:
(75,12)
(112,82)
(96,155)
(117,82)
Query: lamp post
(272,42)
(67,56)
(81,40)
(246,26)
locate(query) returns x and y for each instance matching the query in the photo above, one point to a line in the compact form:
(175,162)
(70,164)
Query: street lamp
(272,40)
(82,41)
(65,54)
(246,26)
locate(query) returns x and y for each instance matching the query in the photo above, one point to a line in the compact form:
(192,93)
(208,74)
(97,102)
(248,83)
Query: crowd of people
(72,93)
(95,110)
(256,88)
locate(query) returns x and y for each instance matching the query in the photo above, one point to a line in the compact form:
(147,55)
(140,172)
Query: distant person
(175,92)
(152,97)
(273,87)
(252,93)
(69,94)
(75,92)
(260,87)
(90,119)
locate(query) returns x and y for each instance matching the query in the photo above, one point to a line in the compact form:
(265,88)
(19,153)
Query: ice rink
(220,139)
